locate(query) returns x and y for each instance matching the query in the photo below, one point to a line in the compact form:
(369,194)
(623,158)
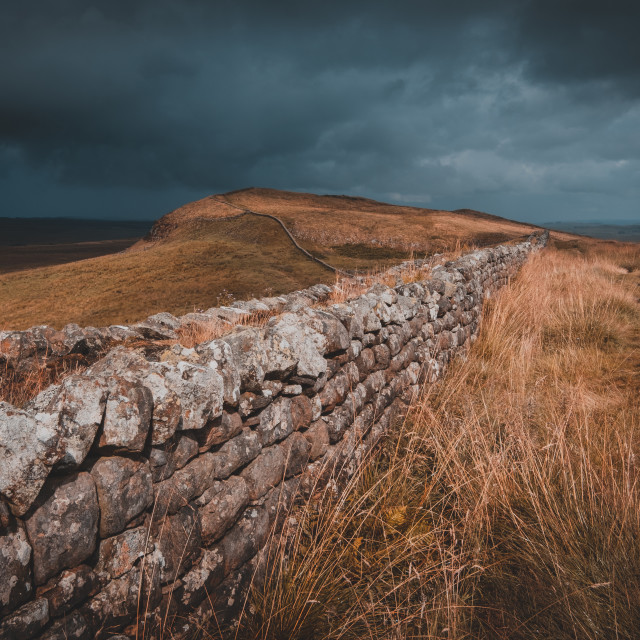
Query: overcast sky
(130,108)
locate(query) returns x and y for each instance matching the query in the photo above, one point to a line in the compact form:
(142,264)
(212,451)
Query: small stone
(177,541)
(15,569)
(229,499)
(292,390)
(221,430)
(236,453)
(245,539)
(318,437)
(68,589)
(264,472)
(27,621)
(124,489)
(276,422)
(63,524)
(296,450)
(301,412)
(118,554)
(127,416)
(72,627)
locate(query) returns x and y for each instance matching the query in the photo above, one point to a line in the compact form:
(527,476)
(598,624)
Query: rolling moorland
(206,253)
(505,505)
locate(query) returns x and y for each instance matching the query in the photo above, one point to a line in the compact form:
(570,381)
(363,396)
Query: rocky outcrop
(144,489)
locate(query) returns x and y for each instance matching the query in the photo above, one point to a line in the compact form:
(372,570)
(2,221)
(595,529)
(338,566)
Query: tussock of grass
(507,504)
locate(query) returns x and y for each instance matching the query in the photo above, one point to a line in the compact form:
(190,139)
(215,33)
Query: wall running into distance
(145,488)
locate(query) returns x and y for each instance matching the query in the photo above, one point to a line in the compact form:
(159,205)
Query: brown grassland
(204,250)
(507,504)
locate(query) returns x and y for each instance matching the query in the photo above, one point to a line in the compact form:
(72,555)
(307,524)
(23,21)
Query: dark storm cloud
(527,109)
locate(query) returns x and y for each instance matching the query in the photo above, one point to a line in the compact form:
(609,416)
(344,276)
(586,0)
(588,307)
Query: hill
(207,252)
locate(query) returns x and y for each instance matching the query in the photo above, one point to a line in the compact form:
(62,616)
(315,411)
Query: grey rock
(264,472)
(317,436)
(127,416)
(72,627)
(227,502)
(26,622)
(117,555)
(200,581)
(27,450)
(245,538)
(15,567)
(177,541)
(296,451)
(236,453)
(69,589)
(62,525)
(74,410)
(276,422)
(124,488)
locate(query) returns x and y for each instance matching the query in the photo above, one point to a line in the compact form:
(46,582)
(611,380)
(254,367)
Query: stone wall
(143,489)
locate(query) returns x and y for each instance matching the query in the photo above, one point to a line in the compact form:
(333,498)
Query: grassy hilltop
(206,251)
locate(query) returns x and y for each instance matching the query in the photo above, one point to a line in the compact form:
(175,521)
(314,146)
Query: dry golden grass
(355,233)
(507,505)
(205,248)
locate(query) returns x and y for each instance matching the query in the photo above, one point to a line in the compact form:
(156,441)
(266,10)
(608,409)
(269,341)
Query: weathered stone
(276,422)
(62,525)
(26,622)
(177,540)
(69,589)
(251,402)
(72,627)
(15,569)
(228,500)
(161,326)
(221,430)
(127,416)
(74,410)
(200,389)
(264,472)
(245,538)
(118,554)
(219,355)
(167,408)
(124,489)
(292,390)
(236,453)
(186,484)
(334,392)
(118,603)
(382,356)
(199,583)
(296,450)
(301,412)
(27,449)
(317,436)
(365,362)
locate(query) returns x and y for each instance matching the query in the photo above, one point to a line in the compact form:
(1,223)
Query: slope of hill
(207,251)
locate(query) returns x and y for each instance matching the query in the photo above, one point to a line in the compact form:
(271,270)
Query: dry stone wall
(144,489)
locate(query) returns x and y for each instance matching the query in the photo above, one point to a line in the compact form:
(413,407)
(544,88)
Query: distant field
(621,232)
(29,231)
(199,265)
(31,256)
(203,253)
